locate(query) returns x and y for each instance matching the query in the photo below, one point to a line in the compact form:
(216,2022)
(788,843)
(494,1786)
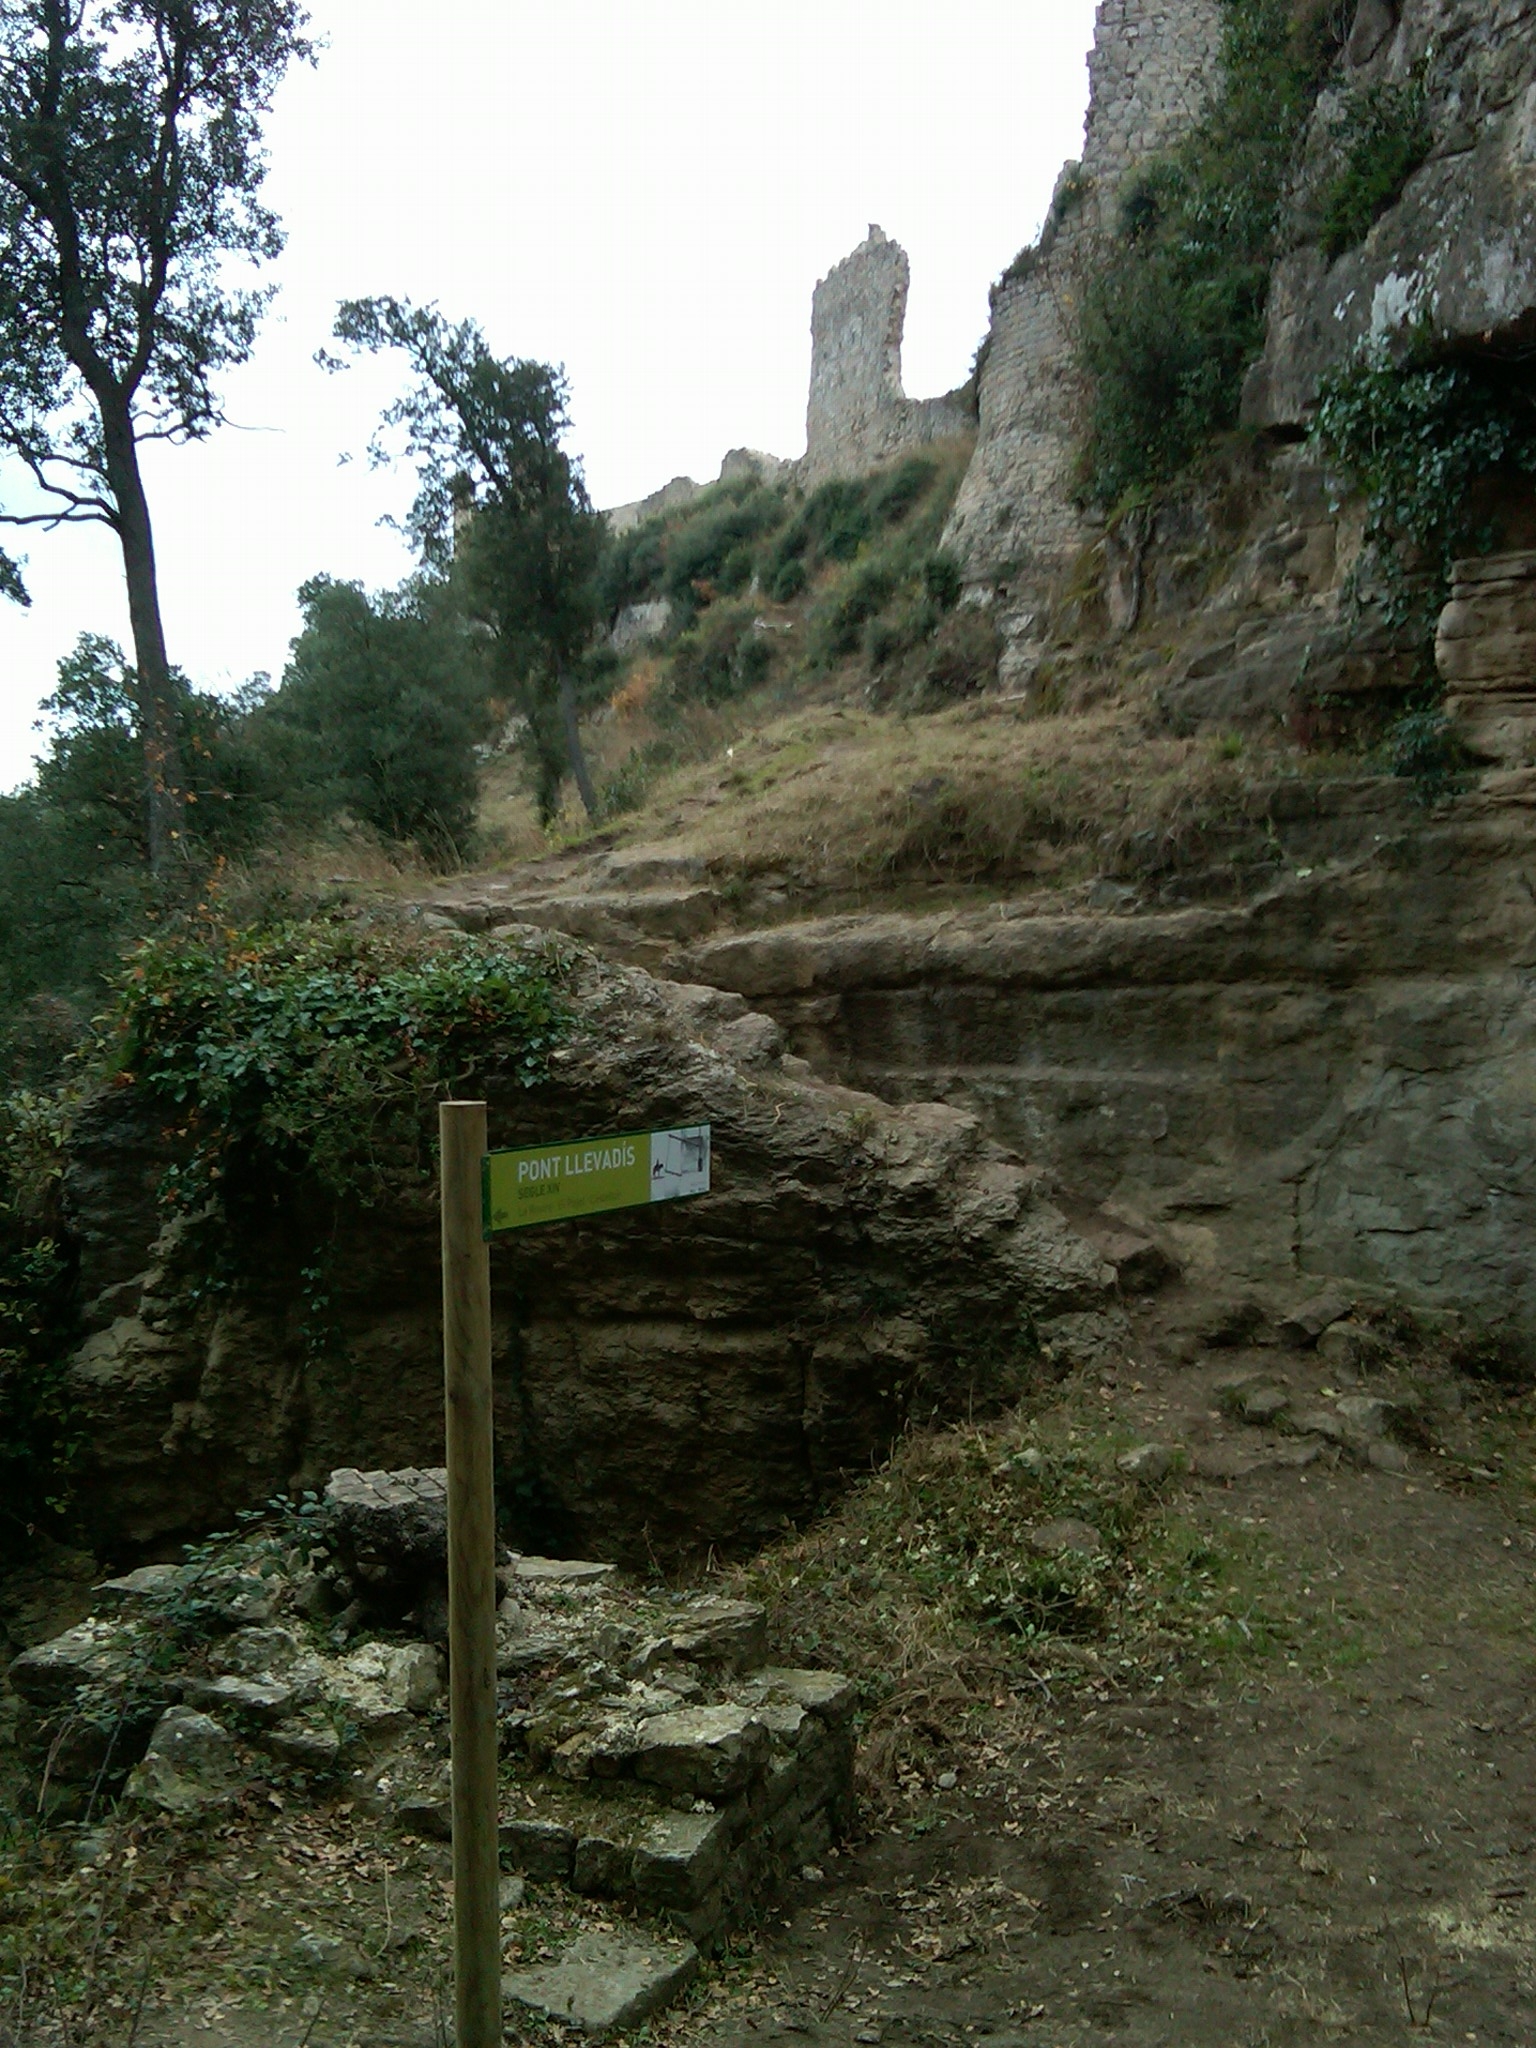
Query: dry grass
(840,799)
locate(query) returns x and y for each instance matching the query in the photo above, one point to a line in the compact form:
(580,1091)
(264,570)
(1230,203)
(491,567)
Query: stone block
(541,1849)
(390,1528)
(708,1751)
(827,1694)
(679,1860)
(603,1983)
(601,1867)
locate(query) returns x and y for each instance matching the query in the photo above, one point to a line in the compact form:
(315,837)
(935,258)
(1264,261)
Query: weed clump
(1383,138)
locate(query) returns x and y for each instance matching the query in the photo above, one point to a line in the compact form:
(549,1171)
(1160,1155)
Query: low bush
(721,657)
(1383,138)
(319,1047)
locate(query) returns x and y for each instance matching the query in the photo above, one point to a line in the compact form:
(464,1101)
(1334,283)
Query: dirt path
(1336,1840)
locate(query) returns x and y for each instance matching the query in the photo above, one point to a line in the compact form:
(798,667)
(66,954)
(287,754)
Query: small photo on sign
(679,1163)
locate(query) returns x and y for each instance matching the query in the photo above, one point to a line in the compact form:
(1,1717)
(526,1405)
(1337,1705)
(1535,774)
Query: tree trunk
(573,748)
(164,799)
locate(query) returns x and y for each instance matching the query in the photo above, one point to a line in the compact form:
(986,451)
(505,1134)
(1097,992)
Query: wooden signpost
(484,1193)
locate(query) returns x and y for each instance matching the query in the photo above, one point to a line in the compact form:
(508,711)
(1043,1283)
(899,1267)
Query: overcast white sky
(645,192)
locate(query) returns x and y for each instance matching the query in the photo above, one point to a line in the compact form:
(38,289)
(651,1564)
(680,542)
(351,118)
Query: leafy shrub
(966,652)
(1171,320)
(788,580)
(320,1047)
(1384,137)
(943,581)
(721,657)
(1415,434)
(716,530)
(837,621)
(633,567)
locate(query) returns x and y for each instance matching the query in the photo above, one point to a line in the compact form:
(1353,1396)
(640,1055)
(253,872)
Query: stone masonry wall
(858,415)
(1014,525)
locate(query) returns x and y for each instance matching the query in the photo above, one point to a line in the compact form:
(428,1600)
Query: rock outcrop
(1456,255)
(1016,522)
(693,1373)
(1330,1080)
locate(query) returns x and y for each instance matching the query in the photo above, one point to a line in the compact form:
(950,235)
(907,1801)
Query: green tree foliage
(381,707)
(1172,318)
(130,171)
(75,882)
(502,503)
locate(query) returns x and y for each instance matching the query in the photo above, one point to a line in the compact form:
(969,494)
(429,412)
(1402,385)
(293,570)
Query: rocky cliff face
(1331,1080)
(1457,252)
(666,1378)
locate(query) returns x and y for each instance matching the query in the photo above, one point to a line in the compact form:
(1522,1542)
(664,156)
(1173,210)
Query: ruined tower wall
(858,415)
(1014,525)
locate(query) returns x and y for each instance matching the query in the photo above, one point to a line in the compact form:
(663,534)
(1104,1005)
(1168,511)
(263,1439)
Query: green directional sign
(547,1183)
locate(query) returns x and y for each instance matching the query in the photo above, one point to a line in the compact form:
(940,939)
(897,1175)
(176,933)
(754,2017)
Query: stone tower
(858,415)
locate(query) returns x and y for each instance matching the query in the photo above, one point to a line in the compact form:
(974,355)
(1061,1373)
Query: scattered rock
(380,1685)
(309,1745)
(148,1587)
(94,1653)
(1387,1457)
(1141,1265)
(1052,1538)
(1304,1325)
(602,1983)
(1366,1414)
(1084,1339)
(189,1768)
(264,1699)
(1149,1462)
(1264,1405)
(1350,1347)
(1321,1422)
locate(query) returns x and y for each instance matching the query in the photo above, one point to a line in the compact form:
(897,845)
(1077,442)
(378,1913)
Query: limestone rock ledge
(695,1373)
(1486,652)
